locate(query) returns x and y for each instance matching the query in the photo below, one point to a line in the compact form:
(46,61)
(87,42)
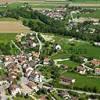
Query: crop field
(36,3)
(12,27)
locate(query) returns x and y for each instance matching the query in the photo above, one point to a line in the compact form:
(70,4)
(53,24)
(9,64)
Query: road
(57,60)
(78,91)
(87,67)
(15,45)
(40,43)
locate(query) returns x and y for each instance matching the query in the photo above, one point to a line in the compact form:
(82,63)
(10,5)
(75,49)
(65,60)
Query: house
(35,54)
(95,62)
(85,59)
(48,87)
(36,77)
(97,71)
(97,44)
(58,47)
(46,61)
(34,45)
(67,80)
(21,59)
(13,71)
(27,70)
(14,89)
(43,97)
(25,89)
(64,66)
(8,60)
(64,94)
(81,70)
(33,86)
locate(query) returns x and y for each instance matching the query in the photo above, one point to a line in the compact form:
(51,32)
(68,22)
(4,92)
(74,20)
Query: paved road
(79,91)
(57,60)
(87,67)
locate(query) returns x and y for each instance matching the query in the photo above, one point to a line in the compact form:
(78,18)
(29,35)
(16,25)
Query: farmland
(37,3)
(12,27)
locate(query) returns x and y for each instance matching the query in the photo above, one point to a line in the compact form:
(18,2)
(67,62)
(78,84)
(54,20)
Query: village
(50,53)
(23,76)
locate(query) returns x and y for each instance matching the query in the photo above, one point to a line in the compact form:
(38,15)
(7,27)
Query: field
(86,4)
(7,37)
(86,1)
(79,47)
(69,63)
(12,27)
(84,81)
(95,14)
(37,3)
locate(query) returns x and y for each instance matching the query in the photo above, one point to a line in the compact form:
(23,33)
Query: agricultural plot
(12,27)
(37,3)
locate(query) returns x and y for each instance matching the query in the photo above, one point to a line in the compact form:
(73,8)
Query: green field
(84,81)
(7,19)
(79,47)
(95,14)
(38,4)
(69,63)
(7,37)
(86,1)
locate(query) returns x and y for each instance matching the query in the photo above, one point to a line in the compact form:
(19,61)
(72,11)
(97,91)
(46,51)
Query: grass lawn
(7,37)
(82,81)
(2,72)
(69,63)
